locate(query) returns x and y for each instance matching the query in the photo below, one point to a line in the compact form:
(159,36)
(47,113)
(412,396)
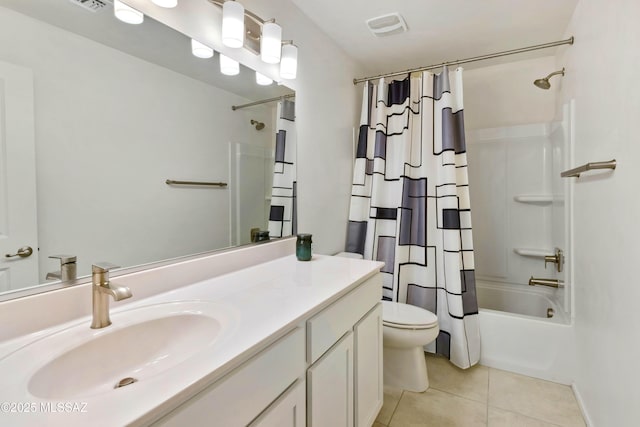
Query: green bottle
(303,247)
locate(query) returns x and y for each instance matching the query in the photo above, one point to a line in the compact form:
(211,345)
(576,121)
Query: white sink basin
(79,362)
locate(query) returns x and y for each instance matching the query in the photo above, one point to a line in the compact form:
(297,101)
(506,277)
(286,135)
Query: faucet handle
(65,259)
(103,267)
(557,259)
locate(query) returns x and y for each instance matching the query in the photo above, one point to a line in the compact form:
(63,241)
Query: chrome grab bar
(575,172)
(210,184)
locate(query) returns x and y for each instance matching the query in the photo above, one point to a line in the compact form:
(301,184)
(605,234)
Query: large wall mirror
(96,115)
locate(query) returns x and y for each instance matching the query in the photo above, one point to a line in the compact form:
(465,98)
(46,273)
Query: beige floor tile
(391,398)
(435,408)
(472,383)
(539,399)
(377,424)
(500,418)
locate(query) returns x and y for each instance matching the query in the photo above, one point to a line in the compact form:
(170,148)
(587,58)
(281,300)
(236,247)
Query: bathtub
(516,334)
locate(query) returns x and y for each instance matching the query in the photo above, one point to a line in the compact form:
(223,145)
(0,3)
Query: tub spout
(553,283)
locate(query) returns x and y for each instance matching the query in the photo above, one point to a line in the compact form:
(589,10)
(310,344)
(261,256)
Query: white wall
(504,94)
(110,129)
(602,76)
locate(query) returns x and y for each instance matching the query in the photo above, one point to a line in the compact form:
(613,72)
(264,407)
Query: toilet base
(405,368)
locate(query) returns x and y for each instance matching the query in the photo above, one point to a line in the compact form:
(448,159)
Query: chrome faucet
(102,288)
(67,268)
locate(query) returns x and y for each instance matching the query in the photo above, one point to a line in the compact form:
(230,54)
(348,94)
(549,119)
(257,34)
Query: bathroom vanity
(278,343)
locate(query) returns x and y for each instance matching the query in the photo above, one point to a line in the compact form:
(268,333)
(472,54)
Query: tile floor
(480,396)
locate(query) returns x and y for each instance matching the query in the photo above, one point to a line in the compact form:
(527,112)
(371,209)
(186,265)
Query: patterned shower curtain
(282,214)
(410,203)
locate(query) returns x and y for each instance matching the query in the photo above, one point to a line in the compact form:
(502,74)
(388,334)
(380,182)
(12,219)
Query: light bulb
(232,24)
(289,62)
(271,42)
(200,50)
(127,13)
(228,66)
(165,3)
(263,80)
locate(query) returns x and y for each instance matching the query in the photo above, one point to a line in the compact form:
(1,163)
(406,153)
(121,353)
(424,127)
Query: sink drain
(125,382)
(550,312)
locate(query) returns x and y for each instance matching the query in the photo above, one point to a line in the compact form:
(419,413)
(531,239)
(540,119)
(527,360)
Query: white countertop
(261,304)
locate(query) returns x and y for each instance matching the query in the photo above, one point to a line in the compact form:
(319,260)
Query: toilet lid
(400,315)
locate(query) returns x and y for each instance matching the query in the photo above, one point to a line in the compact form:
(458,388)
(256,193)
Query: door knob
(23,252)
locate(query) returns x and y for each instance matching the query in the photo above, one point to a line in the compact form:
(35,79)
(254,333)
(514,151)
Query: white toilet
(406,329)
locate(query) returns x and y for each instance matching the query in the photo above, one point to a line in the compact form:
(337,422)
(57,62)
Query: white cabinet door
(330,387)
(18,224)
(287,411)
(368,367)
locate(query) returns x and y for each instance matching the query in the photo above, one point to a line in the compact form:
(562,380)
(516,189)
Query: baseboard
(581,405)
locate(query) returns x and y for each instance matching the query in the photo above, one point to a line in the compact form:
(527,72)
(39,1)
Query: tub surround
(260,303)
(521,300)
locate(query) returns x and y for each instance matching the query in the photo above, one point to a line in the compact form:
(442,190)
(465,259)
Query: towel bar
(575,172)
(210,184)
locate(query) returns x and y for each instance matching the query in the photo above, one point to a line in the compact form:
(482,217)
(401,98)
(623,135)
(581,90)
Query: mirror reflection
(97,115)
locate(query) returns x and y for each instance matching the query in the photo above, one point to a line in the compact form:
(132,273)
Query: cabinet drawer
(325,328)
(264,378)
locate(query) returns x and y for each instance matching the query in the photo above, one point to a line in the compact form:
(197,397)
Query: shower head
(259,125)
(544,82)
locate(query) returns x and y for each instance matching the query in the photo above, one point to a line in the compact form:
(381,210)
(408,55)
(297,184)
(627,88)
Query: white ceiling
(440,30)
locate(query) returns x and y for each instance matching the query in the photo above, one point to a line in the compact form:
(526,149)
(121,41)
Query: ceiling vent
(92,5)
(387,25)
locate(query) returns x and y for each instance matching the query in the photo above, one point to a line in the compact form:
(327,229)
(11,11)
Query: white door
(18,224)
(288,411)
(330,387)
(368,368)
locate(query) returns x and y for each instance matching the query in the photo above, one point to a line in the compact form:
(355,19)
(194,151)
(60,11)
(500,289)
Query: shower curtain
(410,203)
(282,213)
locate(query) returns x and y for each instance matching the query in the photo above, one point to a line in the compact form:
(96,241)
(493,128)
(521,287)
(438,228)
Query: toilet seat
(406,316)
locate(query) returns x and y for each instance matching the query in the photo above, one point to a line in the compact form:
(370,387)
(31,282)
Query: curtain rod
(473,59)
(264,101)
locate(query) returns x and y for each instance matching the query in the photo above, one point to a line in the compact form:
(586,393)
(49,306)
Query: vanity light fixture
(289,60)
(228,66)
(263,80)
(271,42)
(165,3)
(272,49)
(126,13)
(232,24)
(200,50)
